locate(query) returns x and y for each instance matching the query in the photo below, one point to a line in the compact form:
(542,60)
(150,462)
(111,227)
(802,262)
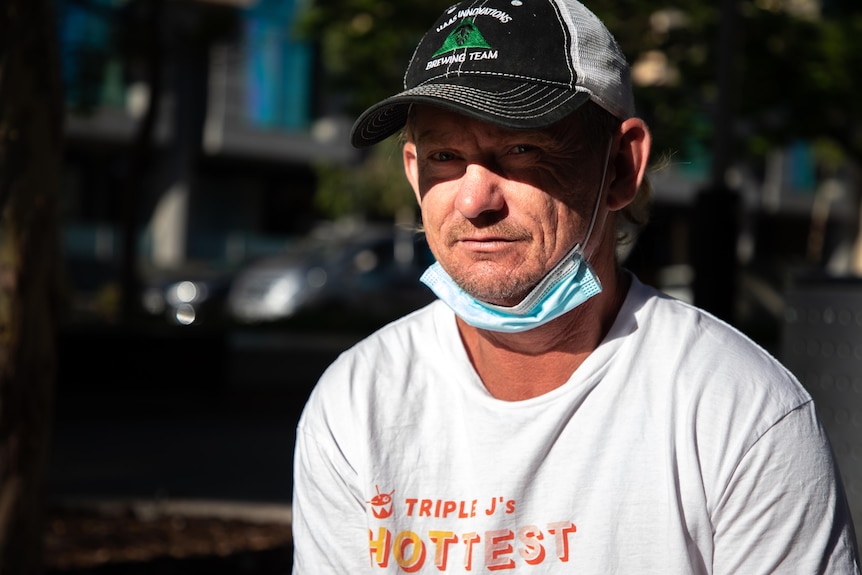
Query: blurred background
(188,239)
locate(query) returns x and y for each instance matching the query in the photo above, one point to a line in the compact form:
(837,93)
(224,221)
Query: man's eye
(522,149)
(442,156)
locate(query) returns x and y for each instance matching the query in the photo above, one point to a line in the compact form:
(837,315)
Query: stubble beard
(490,281)
(504,289)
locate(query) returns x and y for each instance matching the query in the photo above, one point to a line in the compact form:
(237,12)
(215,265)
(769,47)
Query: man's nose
(479,192)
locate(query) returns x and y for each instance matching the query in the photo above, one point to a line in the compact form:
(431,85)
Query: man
(550,413)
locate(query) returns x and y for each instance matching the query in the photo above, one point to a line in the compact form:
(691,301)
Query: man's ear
(411,168)
(629,162)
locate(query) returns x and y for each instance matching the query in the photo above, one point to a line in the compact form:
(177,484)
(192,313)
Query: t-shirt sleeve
(328,513)
(784,510)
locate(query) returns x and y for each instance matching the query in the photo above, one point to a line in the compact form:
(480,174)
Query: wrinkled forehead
(430,125)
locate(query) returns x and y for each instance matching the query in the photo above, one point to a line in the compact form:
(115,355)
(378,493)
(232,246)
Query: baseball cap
(514,63)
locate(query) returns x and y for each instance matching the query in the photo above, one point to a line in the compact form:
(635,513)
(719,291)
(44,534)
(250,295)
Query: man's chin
(497,295)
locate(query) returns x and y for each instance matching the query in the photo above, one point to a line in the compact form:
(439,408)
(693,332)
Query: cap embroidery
(473,62)
(465,35)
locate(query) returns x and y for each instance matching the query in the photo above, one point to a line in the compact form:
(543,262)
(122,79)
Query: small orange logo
(381,504)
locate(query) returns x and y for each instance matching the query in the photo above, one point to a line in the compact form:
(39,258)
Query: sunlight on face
(500,207)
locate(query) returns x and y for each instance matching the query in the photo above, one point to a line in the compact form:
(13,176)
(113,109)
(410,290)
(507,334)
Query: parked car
(371,275)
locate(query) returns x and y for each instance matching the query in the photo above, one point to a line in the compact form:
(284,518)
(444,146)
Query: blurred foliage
(378,190)
(802,80)
(366,44)
(795,74)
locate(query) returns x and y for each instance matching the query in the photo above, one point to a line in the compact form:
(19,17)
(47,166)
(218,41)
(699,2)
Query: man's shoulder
(708,356)
(419,328)
(395,346)
(395,362)
(684,322)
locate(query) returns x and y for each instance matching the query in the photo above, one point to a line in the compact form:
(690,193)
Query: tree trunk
(31,146)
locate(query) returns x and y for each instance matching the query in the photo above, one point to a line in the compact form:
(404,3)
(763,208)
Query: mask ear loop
(564,265)
(598,203)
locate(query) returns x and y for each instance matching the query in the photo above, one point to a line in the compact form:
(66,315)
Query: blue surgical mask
(569,284)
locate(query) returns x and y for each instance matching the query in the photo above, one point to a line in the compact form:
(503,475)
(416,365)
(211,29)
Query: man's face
(500,207)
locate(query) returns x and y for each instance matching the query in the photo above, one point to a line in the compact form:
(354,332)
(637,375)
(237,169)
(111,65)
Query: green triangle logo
(465,35)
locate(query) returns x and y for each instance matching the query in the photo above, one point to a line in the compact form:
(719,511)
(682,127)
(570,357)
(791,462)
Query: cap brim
(501,102)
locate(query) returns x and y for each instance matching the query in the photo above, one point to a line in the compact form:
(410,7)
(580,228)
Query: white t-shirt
(678,446)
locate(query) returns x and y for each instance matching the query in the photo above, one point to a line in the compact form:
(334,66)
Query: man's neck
(517,366)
